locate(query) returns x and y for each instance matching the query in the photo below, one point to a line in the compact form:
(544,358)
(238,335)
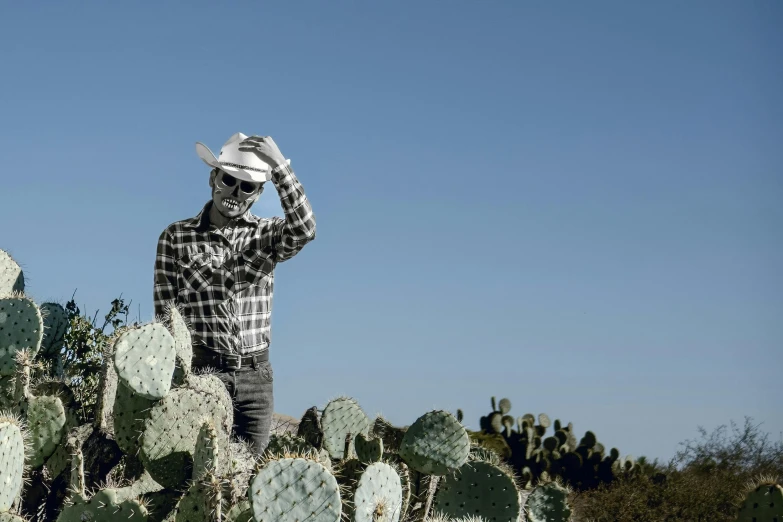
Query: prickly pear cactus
(144,358)
(368,449)
(47,419)
(202,502)
(295,489)
(182,343)
(479,487)
(11,275)
(548,503)
(171,431)
(342,416)
(378,495)
(436,444)
(129,413)
(21,328)
(104,506)
(12,459)
(55,324)
(763,503)
(241,512)
(206,454)
(281,443)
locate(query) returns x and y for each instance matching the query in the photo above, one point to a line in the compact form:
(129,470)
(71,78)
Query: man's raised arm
(298,228)
(165,289)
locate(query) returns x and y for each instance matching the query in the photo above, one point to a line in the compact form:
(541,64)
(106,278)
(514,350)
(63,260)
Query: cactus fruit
(378,494)
(21,328)
(144,358)
(548,503)
(171,430)
(368,449)
(763,503)
(55,324)
(341,417)
(295,489)
(480,488)
(435,444)
(11,275)
(13,443)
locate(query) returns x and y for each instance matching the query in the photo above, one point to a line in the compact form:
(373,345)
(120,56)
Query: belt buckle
(233,361)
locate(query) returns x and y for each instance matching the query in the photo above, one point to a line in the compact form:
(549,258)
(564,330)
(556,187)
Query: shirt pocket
(196,271)
(256,268)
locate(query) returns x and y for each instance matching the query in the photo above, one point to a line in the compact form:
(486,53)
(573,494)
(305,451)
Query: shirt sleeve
(165,287)
(291,234)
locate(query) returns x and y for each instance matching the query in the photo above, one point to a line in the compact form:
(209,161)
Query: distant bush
(702,482)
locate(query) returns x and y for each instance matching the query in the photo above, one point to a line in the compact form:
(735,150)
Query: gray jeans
(251,391)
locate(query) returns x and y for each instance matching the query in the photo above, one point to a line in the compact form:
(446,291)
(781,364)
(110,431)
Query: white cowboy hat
(245,166)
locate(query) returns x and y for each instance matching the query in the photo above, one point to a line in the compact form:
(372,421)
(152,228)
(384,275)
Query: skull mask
(230,196)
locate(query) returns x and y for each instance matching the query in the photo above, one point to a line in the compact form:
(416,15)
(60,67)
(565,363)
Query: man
(218,267)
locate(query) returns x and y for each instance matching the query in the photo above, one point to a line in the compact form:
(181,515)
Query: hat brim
(209,158)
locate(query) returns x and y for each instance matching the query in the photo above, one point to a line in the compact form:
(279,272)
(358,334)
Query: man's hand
(265,148)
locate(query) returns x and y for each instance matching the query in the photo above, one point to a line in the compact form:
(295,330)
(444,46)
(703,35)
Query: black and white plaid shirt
(223,279)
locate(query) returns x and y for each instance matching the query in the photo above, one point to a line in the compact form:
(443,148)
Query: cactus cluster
(158,447)
(523,443)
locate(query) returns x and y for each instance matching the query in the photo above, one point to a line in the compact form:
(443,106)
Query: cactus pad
(171,431)
(368,449)
(11,275)
(199,502)
(548,503)
(21,328)
(341,417)
(104,506)
(241,512)
(295,489)
(144,358)
(12,455)
(47,421)
(281,443)
(129,413)
(436,444)
(55,324)
(763,504)
(207,451)
(378,496)
(479,488)
(182,342)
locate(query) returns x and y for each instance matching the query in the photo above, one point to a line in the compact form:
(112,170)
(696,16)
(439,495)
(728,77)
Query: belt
(227,361)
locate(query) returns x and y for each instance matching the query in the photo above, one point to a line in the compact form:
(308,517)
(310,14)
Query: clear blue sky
(576,205)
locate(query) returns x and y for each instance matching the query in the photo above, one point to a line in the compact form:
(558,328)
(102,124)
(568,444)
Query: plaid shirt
(223,278)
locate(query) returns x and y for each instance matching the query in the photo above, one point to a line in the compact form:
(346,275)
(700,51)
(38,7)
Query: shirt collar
(201,222)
